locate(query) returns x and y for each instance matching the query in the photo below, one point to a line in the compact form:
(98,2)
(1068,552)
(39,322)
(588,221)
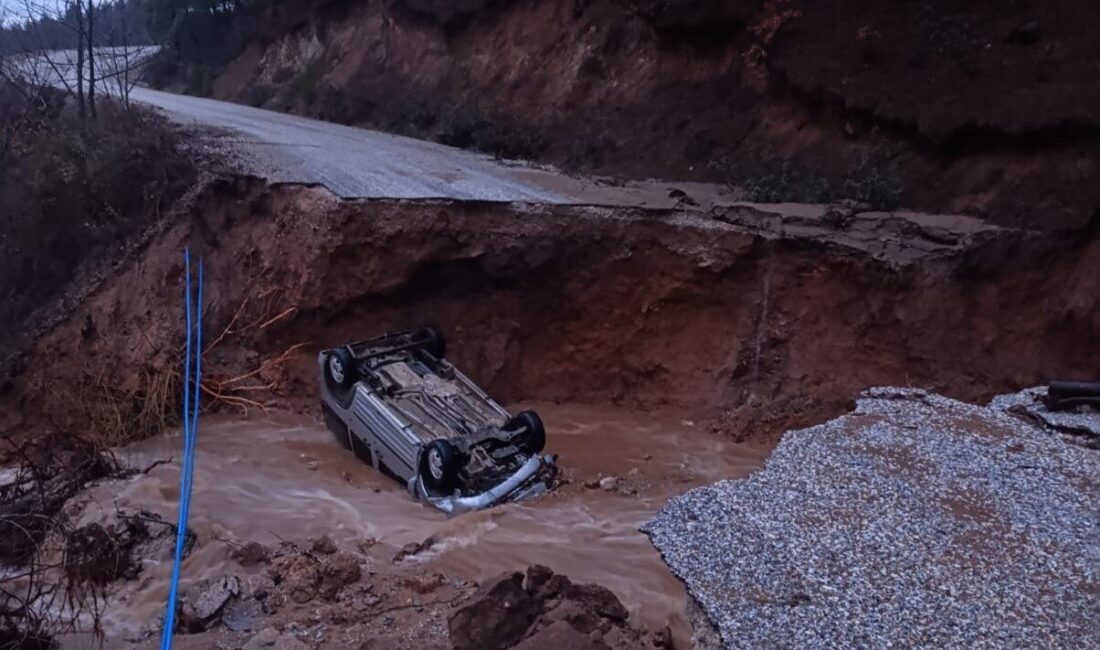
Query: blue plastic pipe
(192,357)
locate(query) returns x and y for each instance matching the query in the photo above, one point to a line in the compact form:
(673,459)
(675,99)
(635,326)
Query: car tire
(439,467)
(435,344)
(534,439)
(341,374)
(337,426)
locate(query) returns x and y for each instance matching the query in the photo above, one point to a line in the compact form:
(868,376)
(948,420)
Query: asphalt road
(360,163)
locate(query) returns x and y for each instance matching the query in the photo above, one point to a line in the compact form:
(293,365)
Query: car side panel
(390,439)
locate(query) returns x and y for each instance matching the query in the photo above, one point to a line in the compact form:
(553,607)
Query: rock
(553,586)
(324,545)
(337,572)
(287,642)
(560,636)
(257,586)
(425,584)
(414,548)
(250,554)
(397,641)
(608,483)
(599,599)
(592,483)
(662,639)
(265,638)
(647,457)
(537,576)
(575,615)
(298,575)
(202,604)
(243,614)
(497,616)
(549,612)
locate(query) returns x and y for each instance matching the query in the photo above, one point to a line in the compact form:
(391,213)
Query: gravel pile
(915,521)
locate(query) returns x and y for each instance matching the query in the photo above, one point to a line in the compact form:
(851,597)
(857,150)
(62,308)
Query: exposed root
(45,593)
(113,414)
(255,312)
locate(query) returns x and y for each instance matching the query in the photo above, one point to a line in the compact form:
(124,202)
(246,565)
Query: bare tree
(32,58)
(81,31)
(120,62)
(90,40)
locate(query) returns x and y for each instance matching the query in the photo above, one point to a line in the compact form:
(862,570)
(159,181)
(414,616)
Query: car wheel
(534,438)
(337,426)
(341,374)
(435,344)
(439,467)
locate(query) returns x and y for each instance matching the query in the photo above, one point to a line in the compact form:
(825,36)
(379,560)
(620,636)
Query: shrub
(72,192)
(874,180)
(773,180)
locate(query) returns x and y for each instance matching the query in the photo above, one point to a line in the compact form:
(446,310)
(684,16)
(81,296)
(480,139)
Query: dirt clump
(544,610)
(338,571)
(250,553)
(297,575)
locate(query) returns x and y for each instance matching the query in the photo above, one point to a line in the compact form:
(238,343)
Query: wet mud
(283,477)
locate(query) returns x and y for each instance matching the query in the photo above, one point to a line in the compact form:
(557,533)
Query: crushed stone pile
(914,521)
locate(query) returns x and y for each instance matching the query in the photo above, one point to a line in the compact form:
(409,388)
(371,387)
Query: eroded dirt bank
(767,321)
(760,321)
(642,333)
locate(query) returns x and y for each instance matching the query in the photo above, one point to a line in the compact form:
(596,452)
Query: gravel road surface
(916,522)
(359,163)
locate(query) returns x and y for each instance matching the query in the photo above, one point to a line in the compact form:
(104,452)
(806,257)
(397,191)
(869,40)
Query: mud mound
(916,520)
(545,611)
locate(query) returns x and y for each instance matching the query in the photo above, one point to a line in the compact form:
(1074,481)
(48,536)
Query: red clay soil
(989,109)
(647,309)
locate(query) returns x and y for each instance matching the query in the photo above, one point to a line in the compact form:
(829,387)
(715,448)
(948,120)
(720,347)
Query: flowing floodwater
(285,477)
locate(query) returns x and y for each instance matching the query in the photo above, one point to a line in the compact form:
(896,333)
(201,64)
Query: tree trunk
(91,58)
(78,9)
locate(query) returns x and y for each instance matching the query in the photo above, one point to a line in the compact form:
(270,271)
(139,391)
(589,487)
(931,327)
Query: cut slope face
(915,521)
(986,109)
(763,319)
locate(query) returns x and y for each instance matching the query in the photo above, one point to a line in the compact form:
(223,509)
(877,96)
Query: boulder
(496,617)
(202,603)
(560,636)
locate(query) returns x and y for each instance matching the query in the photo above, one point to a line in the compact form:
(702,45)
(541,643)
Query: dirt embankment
(734,322)
(989,109)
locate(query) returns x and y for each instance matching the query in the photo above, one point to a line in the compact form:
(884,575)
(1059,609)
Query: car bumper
(529,481)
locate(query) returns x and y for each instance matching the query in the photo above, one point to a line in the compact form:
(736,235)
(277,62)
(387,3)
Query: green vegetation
(874,180)
(73,191)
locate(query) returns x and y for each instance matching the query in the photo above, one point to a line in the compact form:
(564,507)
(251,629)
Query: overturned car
(402,407)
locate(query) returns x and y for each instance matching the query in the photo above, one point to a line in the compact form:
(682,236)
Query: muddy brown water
(284,476)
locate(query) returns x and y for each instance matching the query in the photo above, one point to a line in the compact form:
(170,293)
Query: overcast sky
(14,9)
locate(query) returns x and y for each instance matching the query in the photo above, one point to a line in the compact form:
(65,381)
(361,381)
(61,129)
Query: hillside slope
(990,109)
